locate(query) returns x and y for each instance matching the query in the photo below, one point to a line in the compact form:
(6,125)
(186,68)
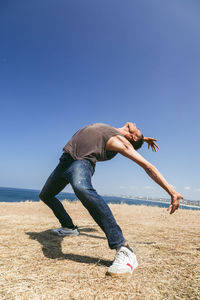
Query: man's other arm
(121,144)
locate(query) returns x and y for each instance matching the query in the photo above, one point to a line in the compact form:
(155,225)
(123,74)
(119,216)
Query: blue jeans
(79,173)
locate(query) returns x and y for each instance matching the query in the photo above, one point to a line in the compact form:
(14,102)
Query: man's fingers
(154,148)
(169,207)
(175,202)
(151,143)
(172,208)
(155,145)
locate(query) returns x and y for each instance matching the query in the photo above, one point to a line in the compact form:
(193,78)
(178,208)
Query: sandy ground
(35,264)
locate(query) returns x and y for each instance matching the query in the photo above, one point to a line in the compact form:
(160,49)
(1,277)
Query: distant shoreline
(8,194)
(184,202)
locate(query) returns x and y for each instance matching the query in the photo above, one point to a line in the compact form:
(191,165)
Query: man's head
(137,144)
(132,134)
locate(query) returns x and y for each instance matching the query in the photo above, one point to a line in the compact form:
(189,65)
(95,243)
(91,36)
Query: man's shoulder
(117,142)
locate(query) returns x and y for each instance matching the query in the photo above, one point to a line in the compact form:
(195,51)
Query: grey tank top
(90,143)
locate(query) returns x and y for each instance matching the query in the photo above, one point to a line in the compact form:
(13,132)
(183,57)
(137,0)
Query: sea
(21,195)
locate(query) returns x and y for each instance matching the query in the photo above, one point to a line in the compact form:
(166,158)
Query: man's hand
(151,143)
(175,201)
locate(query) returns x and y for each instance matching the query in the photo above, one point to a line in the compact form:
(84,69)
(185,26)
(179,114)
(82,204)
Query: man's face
(134,133)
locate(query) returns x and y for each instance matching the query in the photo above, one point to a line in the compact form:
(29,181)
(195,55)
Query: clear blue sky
(68,63)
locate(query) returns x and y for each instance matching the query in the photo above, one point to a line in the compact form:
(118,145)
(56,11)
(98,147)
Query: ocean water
(21,195)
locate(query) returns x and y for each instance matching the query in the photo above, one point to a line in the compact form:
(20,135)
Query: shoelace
(120,257)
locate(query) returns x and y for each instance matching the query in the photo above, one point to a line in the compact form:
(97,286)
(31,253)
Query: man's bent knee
(83,191)
(44,196)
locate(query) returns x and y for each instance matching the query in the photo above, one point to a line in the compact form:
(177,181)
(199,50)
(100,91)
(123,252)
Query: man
(91,144)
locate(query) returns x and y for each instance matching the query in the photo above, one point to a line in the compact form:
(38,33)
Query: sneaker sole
(68,234)
(127,274)
(61,234)
(117,275)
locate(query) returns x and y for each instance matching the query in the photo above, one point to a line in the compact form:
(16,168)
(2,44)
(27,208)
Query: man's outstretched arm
(121,144)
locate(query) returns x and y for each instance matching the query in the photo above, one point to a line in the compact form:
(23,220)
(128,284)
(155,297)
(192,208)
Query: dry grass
(35,264)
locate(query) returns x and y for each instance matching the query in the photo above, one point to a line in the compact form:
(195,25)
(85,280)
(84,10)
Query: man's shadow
(51,247)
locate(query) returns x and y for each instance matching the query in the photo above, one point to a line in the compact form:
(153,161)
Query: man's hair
(137,145)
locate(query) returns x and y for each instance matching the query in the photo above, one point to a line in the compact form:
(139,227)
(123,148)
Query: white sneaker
(124,263)
(64,231)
